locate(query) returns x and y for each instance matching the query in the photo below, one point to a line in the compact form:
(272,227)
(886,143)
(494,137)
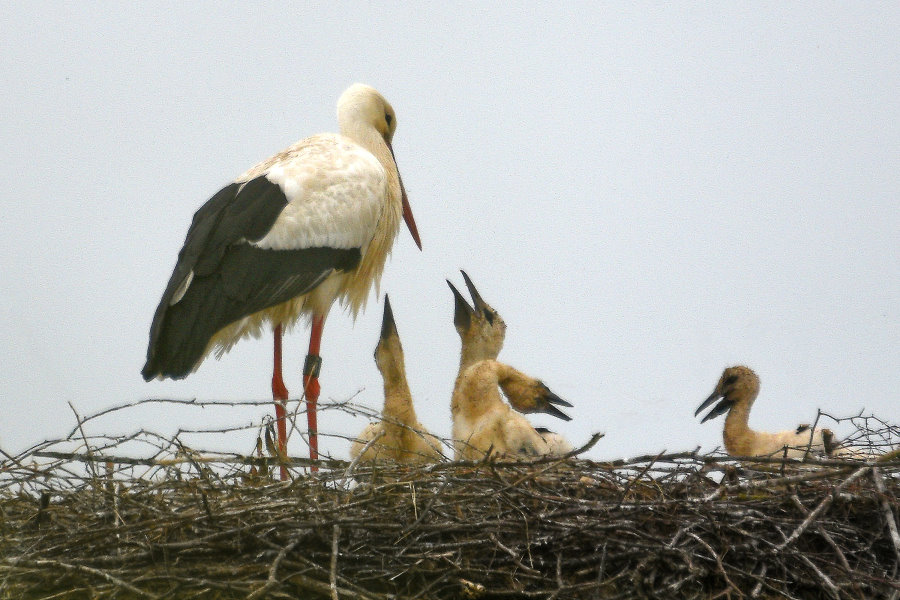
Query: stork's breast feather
(336,192)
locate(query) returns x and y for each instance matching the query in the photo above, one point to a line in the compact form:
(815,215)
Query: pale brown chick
(405,440)
(482,332)
(735,393)
(483,423)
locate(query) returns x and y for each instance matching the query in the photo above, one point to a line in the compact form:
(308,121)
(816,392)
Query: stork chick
(482,332)
(736,391)
(557,443)
(405,440)
(480,327)
(483,423)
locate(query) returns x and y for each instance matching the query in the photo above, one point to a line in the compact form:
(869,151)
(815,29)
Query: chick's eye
(731,380)
(388,118)
(489,317)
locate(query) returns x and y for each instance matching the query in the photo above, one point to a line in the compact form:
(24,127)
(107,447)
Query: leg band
(312,366)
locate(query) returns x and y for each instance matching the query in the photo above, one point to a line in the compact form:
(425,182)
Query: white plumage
(335,192)
(308,226)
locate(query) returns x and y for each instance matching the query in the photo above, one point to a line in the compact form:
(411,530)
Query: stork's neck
(475,391)
(473,352)
(738,437)
(369,138)
(375,253)
(398,399)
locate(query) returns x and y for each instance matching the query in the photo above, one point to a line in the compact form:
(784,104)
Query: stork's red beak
(408,217)
(407,211)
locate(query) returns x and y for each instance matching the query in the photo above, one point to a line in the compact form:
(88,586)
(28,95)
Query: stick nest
(183,523)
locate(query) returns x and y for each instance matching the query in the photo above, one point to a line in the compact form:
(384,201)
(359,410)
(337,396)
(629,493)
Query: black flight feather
(231,278)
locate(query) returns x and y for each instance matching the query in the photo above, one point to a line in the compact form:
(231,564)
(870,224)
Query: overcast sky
(646,193)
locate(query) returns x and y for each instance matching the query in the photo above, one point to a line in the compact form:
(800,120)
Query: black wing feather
(231,278)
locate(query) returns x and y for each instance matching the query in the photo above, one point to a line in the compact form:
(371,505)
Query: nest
(92,522)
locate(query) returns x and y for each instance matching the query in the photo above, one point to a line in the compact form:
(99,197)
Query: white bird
(736,391)
(305,227)
(403,439)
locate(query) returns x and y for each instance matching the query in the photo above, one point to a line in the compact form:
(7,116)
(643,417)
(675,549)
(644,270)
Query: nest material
(86,525)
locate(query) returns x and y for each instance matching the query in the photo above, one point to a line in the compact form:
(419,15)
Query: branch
(822,507)
(886,510)
(332,579)
(89,571)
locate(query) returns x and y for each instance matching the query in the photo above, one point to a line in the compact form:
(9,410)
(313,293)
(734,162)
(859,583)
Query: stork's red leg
(311,384)
(280,395)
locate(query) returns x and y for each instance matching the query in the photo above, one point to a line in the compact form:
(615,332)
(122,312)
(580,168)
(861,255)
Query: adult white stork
(310,225)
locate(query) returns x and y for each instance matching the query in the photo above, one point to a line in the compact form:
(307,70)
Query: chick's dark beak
(551,401)
(388,327)
(462,312)
(552,410)
(724,405)
(476,297)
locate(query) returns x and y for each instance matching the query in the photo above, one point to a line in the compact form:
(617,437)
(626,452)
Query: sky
(646,193)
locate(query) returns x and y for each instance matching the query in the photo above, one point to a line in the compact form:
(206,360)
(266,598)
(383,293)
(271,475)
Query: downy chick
(557,443)
(483,422)
(482,332)
(405,440)
(736,391)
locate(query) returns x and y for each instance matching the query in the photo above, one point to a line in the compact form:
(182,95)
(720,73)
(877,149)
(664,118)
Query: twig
(192,460)
(812,434)
(87,445)
(600,568)
(272,579)
(513,555)
(827,537)
(778,482)
(362,452)
(761,578)
(719,565)
(822,507)
(425,510)
(829,585)
(639,476)
(89,571)
(886,510)
(596,437)
(313,585)
(335,535)
(183,402)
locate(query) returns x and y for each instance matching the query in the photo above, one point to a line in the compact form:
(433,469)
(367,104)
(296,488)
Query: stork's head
(539,399)
(361,105)
(737,384)
(388,351)
(479,326)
